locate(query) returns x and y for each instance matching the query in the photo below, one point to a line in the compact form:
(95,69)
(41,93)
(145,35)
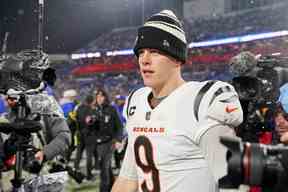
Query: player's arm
(125,185)
(128,179)
(214,151)
(224,106)
(224,113)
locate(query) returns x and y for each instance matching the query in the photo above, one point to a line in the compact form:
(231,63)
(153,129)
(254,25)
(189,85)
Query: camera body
(255,164)
(94,118)
(30,163)
(20,139)
(91,120)
(258,93)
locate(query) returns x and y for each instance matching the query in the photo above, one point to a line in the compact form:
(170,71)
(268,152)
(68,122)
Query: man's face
(12,102)
(156,67)
(281,124)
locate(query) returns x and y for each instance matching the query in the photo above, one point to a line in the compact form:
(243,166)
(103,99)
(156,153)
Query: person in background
(120,150)
(68,101)
(173,125)
(68,104)
(281,115)
(54,137)
(3,106)
(105,131)
(281,128)
(81,112)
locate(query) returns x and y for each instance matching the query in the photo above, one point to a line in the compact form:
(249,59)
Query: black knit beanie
(163,31)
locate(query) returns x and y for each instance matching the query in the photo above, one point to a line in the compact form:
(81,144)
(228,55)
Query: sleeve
(225,106)
(214,151)
(220,106)
(128,168)
(57,135)
(127,104)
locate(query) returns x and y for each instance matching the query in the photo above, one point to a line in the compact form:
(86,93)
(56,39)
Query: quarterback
(173,125)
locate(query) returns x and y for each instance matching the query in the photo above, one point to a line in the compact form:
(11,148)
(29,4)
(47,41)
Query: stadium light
(120,52)
(239,39)
(236,39)
(85,55)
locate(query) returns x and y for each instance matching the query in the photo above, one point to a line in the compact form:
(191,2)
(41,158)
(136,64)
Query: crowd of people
(242,23)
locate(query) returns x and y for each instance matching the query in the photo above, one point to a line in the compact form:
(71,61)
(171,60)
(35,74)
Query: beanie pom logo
(166,43)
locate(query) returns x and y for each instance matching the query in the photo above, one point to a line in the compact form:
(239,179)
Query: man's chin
(148,84)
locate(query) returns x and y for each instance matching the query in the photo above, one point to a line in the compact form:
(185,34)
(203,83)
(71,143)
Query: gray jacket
(55,133)
(57,136)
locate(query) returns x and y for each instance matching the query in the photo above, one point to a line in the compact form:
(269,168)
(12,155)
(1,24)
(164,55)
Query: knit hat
(163,31)
(70,93)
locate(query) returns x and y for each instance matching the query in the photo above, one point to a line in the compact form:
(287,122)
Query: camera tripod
(20,137)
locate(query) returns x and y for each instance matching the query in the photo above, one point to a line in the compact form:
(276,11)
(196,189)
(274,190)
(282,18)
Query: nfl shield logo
(148,115)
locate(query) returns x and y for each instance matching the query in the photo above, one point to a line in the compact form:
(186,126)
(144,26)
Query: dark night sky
(68,24)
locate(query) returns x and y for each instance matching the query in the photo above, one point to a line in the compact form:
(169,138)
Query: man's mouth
(147,72)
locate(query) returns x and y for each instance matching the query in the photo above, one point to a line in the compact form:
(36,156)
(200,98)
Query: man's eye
(140,52)
(154,51)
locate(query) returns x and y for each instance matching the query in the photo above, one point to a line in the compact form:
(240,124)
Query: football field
(70,186)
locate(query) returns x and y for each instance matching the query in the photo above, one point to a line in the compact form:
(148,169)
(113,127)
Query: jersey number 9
(149,167)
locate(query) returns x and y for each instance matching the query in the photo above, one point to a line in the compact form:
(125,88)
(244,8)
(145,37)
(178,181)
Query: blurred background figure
(81,112)
(281,115)
(120,149)
(105,130)
(281,136)
(68,101)
(3,105)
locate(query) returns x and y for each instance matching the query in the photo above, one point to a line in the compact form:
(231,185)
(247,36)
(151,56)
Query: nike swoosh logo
(230,109)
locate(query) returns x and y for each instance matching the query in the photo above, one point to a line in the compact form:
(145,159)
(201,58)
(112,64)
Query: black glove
(30,163)
(9,148)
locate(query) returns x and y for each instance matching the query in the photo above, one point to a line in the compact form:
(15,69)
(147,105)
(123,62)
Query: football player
(173,125)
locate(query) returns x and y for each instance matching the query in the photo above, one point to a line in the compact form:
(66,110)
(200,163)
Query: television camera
(256,82)
(255,164)
(20,142)
(23,79)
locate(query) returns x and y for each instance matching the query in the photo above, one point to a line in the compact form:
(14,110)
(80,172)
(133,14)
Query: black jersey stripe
(129,100)
(199,97)
(219,92)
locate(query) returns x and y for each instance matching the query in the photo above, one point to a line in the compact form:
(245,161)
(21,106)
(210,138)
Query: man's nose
(146,58)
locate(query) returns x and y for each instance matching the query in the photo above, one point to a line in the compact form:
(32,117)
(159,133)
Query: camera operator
(281,123)
(105,132)
(256,83)
(264,166)
(27,71)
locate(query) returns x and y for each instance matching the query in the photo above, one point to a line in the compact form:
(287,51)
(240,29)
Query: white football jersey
(163,151)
